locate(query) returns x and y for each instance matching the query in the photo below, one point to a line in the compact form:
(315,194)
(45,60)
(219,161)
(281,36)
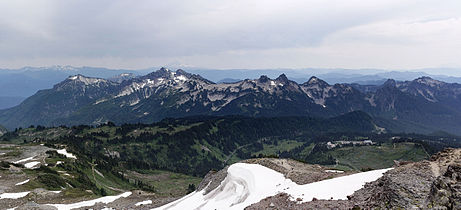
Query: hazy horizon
(454,72)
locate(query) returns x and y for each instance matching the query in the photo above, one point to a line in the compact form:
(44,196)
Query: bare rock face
(405,187)
(446,189)
(212,180)
(422,185)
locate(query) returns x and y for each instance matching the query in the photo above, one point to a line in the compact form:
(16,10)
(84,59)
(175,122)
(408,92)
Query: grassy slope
(375,157)
(164,183)
(271,149)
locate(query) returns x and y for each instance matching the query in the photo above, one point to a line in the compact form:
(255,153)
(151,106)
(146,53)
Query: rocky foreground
(428,184)
(433,184)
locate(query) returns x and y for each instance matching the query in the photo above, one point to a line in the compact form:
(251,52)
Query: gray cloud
(224,34)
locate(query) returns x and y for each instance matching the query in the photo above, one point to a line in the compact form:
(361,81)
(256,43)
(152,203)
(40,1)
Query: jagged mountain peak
(282,78)
(177,76)
(390,83)
(315,80)
(264,79)
(180,71)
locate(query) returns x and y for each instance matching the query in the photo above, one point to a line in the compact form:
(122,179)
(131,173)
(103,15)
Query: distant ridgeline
(196,145)
(423,105)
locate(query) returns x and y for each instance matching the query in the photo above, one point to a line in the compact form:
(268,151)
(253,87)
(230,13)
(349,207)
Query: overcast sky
(387,34)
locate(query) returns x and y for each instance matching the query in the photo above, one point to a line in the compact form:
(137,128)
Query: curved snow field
(246,184)
(105,200)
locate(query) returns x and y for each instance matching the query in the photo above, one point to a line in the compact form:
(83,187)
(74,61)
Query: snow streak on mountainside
(246,184)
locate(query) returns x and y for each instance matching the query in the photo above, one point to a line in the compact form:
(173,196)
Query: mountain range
(18,84)
(422,105)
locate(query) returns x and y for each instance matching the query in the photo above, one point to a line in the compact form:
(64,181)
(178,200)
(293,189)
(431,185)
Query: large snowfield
(246,184)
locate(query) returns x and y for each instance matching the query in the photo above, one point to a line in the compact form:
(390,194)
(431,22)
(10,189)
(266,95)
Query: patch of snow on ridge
(21,183)
(246,184)
(13,195)
(24,160)
(105,200)
(65,153)
(31,164)
(143,203)
(334,171)
(180,78)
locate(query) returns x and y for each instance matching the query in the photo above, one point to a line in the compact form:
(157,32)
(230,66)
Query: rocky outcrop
(422,185)
(212,180)
(407,186)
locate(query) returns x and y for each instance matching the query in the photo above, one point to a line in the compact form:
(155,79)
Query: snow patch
(246,184)
(65,153)
(24,160)
(105,200)
(334,171)
(31,164)
(21,183)
(180,78)
(13,195)
(143,203)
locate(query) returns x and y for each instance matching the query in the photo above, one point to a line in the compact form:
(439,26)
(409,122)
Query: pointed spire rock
(263,79)
(282,78)
(316,81)
(180,71)
(390,83)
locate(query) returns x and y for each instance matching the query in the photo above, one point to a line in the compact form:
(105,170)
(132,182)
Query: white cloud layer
(398,34)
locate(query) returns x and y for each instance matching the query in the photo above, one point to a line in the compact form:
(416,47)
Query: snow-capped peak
(85,80)
(428,81)
(315,80)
